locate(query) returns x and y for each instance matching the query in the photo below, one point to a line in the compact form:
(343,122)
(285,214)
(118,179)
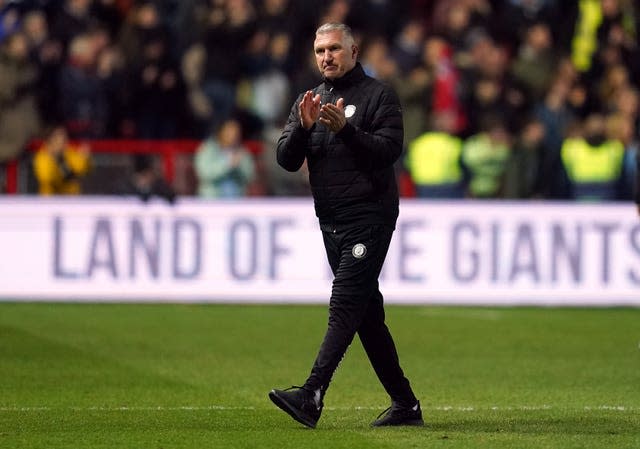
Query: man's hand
(309,109)
(332,115)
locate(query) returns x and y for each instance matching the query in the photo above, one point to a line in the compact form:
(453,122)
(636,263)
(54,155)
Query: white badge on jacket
(349,110)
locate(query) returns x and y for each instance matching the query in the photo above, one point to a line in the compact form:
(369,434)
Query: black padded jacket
(351,172)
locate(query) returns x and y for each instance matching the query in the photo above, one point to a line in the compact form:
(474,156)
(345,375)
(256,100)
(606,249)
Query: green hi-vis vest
(434,159)
(587,164)
(487,161)
(585,39)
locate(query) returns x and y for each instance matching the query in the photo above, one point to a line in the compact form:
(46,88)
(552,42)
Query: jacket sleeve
(381,147)
(79,162)
(293,142)
(46,172)
(246,168)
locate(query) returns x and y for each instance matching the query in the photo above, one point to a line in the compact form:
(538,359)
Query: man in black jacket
(349,129)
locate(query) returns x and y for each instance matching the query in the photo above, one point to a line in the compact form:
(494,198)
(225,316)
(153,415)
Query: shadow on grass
(53,369)
(586,424)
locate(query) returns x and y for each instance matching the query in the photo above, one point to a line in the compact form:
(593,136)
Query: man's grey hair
(347,33)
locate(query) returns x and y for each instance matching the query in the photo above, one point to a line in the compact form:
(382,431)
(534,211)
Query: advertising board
(270,250)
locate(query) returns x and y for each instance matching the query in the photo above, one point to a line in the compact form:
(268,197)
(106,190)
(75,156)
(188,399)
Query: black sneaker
(400,415)
(301,404)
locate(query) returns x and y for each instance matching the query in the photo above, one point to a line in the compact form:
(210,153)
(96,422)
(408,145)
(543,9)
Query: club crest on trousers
(359,250)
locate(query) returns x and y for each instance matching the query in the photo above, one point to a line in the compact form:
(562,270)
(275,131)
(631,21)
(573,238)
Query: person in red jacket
(349,130)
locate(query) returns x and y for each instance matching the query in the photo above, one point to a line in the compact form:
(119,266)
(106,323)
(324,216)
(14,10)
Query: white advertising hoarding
(108,249)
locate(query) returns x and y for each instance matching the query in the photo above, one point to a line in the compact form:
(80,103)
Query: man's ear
(354,51)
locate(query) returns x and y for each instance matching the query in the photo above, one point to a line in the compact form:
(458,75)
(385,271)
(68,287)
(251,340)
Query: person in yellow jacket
(60,165)
(594,163)
(434,161)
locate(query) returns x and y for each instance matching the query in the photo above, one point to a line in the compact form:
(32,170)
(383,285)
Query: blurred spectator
(151,92)
(198,107)
(156,91)
(615,79)
(59,165)
(407,46)
(579,101)
(535,64)
(620,127)
(415,93)
(516,16)
(111,71)
(281,182)
(145,182)
(278,16)
(36,30)
(556,117)
(524,176)
(335,11)
(594,163)
(84,105)
(627,102)
(486,155)
(267,88)
(489,90)
(225,31)
(585,39)
(291,25)
(19,119)
(434,161)
(376,59)
(47,55)
(192,19)
(454,18)
(230,28)
(455,25)
(143,24)
(224,167)
(616,33)
(446,99)
(72,19)
(554,113)
(9,19)
(306,77)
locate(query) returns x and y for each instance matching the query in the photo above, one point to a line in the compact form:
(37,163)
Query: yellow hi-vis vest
(434,159)
(585,39)
(587,164)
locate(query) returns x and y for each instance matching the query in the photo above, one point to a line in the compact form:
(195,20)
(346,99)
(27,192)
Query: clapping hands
(330,115)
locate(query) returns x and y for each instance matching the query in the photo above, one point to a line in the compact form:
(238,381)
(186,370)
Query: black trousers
(356,256)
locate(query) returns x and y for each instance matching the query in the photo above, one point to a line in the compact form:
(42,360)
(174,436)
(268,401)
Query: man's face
(333,56)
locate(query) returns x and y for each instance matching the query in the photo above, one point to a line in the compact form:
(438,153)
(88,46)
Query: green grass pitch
(197,376)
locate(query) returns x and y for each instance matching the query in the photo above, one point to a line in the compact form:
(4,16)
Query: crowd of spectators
(502,98)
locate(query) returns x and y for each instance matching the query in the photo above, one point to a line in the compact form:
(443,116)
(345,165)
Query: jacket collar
(348,79)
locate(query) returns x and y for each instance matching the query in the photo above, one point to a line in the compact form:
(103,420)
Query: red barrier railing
(166,149)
